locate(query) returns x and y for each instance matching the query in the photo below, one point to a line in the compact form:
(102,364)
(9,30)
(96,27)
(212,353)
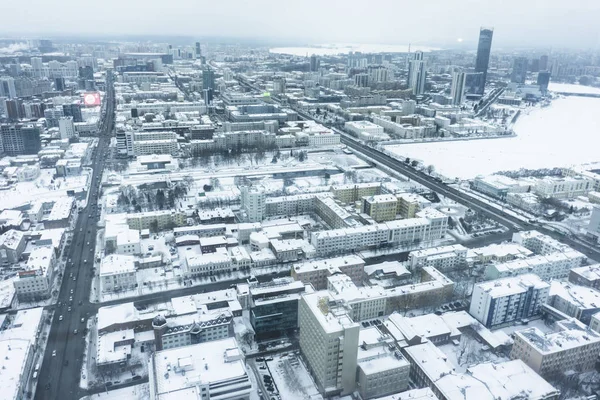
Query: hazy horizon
(452,23)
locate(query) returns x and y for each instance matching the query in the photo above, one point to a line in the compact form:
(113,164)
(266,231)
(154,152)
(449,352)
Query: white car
(60,318)
(53,353)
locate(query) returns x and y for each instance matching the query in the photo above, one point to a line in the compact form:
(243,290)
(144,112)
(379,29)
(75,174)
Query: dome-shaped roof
(159,320)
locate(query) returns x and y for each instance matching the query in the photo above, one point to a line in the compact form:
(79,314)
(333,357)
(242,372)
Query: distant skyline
(442,23)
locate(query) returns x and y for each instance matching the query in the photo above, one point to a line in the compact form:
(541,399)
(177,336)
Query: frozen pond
(564,134)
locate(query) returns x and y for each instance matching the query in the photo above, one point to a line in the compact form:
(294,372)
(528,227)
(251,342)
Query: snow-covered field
(546,137)
(42,188)
(292,378)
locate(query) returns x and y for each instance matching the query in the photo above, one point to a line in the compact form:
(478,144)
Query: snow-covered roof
(572,334)
(582,297)
(589,272)
(178,369)
(336,262)
(512,285)
(431,360)
(414,394)
(331,316)
(117,264)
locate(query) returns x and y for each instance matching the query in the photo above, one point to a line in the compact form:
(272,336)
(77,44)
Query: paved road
(463,198)
(60,371)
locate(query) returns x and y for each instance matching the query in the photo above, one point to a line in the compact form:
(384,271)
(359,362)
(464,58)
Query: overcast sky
(556,23)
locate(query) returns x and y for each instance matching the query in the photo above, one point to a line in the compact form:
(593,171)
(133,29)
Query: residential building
(214,370)
(552,266)
(155,220)
(588,275)
(329,341)
(253,203)
(575,347)
(351,193)
(508,300)
(381,367)
(128,242)
(117,273)
(593,230)
(442,258)
(428,364)
(579,302)
(12,245)
(66,127)
(20,339)
(458,88)
(316,272)
(409,204)
(35,282)
(539,243)
(380,207)
(519,70)
(20,139)
(208,264)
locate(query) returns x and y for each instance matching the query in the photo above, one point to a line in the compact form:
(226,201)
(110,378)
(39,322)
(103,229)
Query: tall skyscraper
(457,92)
(198,50)
(19,139)
(37,66)
(519,70)
(208,79)
(314,63)
(482,61)
(7,87)
(544,63)
(543,80)
(417,74)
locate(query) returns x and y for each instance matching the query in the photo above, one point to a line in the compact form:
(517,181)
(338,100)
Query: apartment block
(579,302)
(35,282)
(351,193)
(155,220)
(551,266)
(508,300)
(442,258)
(588,275)
(575,347)
(380,207)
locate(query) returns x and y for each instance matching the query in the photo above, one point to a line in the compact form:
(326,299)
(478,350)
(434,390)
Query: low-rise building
(551,266)
(117,273)
(214,370)
(316,272)
(12,245)
(35,283)
(579,302)
(409,204)
(574,347)
(563,188)
(442,258)
(508,300)
(128,242)
(381,367)
(588,275)
(156,220)
(502,252)
(208,264)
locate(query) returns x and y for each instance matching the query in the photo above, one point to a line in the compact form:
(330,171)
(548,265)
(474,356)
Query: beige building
(160,220)
(351,193)
(574,348)
(409,204)
(380,207)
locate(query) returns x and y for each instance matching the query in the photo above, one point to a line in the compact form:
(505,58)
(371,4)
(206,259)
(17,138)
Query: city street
(59,374)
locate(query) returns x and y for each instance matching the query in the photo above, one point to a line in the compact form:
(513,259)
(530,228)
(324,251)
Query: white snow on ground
(43,187)
(137,392)
(291,377)
(467,159)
